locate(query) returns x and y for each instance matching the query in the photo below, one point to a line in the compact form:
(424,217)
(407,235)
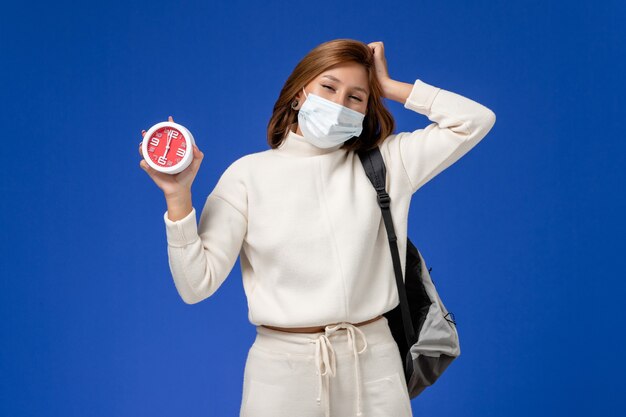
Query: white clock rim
(174,169)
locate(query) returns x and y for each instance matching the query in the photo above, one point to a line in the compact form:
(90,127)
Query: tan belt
(315,329)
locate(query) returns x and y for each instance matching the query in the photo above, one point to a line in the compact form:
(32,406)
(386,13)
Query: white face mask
(325,123)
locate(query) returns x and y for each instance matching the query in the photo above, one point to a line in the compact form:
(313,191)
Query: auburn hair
(378,122)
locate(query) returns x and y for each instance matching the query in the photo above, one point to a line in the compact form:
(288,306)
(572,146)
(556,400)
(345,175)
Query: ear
(299,100)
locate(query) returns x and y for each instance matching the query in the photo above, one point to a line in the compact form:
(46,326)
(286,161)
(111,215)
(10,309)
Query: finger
(170,118)
(198,156)
(143,132)
(149,170)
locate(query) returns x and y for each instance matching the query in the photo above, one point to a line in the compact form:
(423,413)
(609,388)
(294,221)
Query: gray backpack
(427,338)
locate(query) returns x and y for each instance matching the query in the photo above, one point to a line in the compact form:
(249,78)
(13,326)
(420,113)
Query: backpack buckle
(383,199)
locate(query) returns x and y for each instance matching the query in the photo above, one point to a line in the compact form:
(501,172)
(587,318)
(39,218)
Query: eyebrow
(336,79)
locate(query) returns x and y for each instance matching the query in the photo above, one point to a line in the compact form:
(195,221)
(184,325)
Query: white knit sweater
(306,224)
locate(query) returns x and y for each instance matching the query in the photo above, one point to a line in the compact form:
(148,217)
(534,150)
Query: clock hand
(169,140)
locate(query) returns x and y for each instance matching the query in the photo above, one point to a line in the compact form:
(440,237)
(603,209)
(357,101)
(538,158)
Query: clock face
(167,147)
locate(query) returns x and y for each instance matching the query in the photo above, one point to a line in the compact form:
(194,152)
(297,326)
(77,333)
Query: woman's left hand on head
(380,62)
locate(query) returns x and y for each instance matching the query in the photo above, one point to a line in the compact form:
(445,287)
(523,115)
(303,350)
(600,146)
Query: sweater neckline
(296,145)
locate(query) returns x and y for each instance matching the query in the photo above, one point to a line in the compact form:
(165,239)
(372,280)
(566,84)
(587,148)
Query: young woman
(303,217)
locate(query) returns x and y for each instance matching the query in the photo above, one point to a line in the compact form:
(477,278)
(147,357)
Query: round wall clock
(168,147)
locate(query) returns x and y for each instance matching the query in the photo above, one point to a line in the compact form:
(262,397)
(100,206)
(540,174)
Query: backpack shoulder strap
(374,166)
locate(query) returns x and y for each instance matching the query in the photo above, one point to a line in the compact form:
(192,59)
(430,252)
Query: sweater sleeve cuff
(181,232)
(421,97)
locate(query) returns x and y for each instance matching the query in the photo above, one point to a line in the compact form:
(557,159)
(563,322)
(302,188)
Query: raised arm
(201,256)
(459,123)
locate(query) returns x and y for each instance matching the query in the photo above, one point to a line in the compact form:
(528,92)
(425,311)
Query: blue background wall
(524,234)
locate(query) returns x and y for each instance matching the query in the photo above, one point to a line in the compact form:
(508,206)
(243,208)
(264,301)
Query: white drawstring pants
(341,372)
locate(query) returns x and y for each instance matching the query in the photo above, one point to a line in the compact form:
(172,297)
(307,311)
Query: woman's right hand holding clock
(173,185)
(176,187)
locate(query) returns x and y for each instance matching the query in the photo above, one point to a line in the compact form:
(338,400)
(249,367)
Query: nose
(340,99)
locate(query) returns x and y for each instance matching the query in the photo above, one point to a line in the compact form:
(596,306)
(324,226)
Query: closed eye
(332,89)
